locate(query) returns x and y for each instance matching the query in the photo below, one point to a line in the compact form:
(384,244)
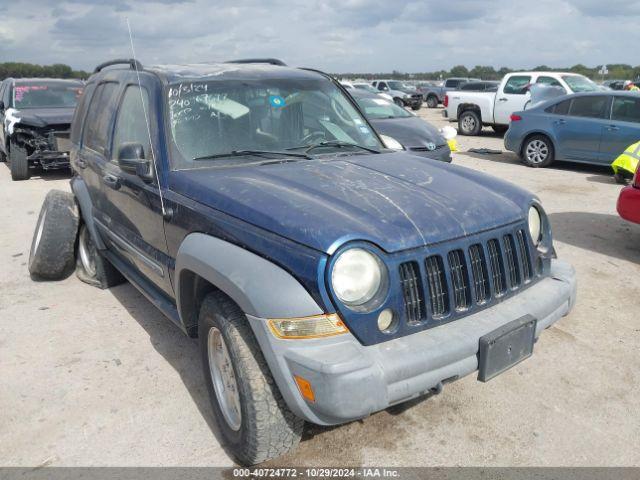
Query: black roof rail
(270,61)
(132,62)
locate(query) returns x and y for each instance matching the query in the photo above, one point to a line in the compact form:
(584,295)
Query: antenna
(146,119)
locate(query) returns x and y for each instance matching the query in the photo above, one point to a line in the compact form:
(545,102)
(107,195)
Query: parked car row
(325,276)
(473,110)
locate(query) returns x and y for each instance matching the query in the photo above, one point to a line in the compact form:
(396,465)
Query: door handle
(503,99)
(111,181)
(80,163)
(613,128)
(562,121)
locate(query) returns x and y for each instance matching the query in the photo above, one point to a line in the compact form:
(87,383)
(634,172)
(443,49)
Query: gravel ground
(94,378)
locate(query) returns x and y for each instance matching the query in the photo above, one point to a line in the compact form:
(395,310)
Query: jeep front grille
(497,267)
(412,292)
(479,271)
(438,292)
(460,279)
(512,265)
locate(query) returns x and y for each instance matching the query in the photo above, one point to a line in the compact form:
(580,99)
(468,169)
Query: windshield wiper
(257,153)
(333,143)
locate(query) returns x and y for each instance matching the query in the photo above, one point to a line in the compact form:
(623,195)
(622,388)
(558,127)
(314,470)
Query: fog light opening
(386,320)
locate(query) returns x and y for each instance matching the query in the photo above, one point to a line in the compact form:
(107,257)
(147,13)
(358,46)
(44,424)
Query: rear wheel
(537,151)
(432,101)
(469,123)
(91,266)
(19,163)
(253,417)
(51,255)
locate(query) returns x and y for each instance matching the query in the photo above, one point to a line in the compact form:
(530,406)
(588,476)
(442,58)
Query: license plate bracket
(505,347)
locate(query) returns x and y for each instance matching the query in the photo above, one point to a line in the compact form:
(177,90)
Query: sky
(332,35)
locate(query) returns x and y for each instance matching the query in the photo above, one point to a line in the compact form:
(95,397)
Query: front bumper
(50,160)
(412,102)
(351,381)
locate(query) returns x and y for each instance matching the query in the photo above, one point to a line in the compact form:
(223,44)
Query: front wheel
(469,123)
(253,417)
(19,163)
(91,266)
(537,151)
(398,101)
(416,107)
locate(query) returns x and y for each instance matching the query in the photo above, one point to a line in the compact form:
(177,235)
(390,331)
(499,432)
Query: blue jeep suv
(325,277)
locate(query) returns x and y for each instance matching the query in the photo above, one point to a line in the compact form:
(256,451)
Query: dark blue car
(587,128)
(325,277)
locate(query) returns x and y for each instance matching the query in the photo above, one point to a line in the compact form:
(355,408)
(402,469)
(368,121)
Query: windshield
(378,108)
(215,118)
(45,95)
(578,83)
(401,86)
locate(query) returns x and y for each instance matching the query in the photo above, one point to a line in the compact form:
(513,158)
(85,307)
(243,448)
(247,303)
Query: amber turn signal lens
(307,327)
(305,388)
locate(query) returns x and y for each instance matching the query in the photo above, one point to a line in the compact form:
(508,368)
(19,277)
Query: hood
(410,131)
(42,117)
(395,200)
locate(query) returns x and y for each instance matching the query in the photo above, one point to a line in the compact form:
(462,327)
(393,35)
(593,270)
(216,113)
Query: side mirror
(131,160)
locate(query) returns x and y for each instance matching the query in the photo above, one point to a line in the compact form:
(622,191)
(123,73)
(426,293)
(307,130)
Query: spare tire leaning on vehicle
(52,254)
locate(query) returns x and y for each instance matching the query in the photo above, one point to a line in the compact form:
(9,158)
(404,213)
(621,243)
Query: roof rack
(132,62)
(270,61)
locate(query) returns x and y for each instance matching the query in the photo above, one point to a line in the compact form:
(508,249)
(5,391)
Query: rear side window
(131,124)
(549,81)
(561,108)
(81,111)
(626,109)
(452,83)
(591,107)
(98,120)
(516,85)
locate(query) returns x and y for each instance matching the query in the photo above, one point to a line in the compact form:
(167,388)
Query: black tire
(267,428)
(469,123)
(51,256)
(3,157)
(398,101)
(537,151)
(500,129)
(19,163)
(416,107)
(432,101)
(91,266)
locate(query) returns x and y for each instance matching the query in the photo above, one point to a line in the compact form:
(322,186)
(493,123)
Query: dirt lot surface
(91,377)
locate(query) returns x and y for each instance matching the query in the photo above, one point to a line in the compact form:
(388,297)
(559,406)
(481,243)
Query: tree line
(25,70)
(619,71)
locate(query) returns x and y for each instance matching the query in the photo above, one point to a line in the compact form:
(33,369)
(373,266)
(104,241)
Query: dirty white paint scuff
(10,119)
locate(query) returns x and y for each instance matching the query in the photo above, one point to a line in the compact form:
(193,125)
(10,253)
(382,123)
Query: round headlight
(535,225)
(356,276)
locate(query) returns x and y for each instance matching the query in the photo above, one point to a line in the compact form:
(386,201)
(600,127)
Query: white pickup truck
(473,110)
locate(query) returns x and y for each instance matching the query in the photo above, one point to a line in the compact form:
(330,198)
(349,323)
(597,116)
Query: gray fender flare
(80,191)
(259,287)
